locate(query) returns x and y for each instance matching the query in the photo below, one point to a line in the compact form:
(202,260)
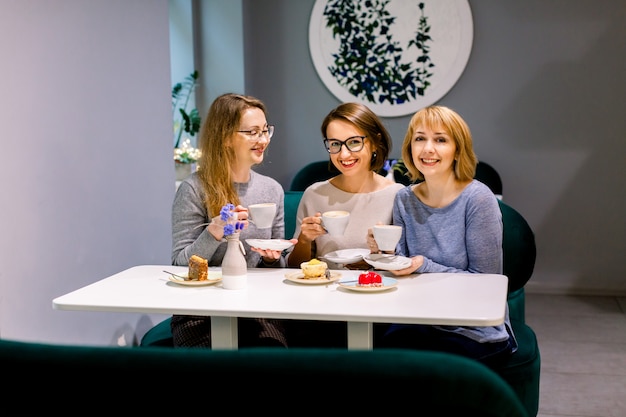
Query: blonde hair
(442,118)
(217,155)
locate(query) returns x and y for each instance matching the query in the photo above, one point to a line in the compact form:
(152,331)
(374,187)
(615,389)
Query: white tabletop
(453,299)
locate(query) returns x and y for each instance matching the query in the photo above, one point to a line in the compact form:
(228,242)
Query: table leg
(224,333)
(360,335)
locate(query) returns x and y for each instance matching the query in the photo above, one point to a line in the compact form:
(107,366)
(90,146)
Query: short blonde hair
(441,117)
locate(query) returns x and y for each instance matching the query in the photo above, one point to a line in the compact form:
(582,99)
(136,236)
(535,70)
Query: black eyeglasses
(255,134)
(353,144)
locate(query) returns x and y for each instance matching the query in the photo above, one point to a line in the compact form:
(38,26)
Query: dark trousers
(425,337)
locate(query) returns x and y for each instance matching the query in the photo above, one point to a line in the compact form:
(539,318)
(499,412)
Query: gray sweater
(465,236)
(189,212)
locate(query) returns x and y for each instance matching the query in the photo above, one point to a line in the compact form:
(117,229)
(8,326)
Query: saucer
(269,244)
(352,285)
(346,256)
(298,277)
(213,278)
(387,262)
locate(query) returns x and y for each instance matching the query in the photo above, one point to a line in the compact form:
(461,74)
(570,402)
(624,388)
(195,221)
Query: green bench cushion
(159,335)
(522,370)
(327,381)
(292,200)
(517,305)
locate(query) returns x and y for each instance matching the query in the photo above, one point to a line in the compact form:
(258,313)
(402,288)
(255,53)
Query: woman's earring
(374,155)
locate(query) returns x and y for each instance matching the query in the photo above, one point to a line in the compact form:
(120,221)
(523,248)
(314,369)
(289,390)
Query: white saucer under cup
(387,262)
(271,244)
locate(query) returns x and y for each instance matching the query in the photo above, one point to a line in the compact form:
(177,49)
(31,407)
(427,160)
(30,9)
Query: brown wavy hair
(217,155)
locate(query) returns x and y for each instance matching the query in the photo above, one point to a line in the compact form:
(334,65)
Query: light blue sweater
(465,236)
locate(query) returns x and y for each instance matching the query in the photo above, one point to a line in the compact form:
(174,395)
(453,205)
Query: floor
(582,340)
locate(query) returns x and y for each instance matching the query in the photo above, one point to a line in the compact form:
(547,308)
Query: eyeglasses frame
(344,143)
(267,133)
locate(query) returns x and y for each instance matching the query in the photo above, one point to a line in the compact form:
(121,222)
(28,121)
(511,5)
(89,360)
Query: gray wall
(544,93)
(87,173)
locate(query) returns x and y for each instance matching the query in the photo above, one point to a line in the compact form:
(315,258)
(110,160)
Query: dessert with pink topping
(370,279)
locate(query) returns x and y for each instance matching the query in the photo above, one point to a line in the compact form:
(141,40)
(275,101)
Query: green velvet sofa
(80,380)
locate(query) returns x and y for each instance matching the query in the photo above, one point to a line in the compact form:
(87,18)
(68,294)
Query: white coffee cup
(335,222)
(262,214)
(387,236)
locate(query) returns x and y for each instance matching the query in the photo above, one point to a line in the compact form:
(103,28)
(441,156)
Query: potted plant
(186,122)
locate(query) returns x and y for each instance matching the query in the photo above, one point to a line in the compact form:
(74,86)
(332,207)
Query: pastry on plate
(314,268)
(370,279)
(198,268)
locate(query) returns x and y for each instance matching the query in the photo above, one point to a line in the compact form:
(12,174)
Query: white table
(453,299)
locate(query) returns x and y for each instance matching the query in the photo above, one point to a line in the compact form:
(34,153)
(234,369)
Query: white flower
(186,153)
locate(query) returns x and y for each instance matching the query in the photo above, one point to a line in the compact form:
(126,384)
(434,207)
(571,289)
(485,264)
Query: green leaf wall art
(395,56)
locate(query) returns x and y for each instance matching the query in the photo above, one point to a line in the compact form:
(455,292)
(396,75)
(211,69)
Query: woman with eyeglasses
(234,137)
(358,145)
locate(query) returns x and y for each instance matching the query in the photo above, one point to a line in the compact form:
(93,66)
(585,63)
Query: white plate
(388,283)
(298,277)
(213,278)
(387,262)
(271,244)
(346,256)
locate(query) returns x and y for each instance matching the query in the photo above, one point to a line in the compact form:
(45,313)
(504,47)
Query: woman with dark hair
(358,145)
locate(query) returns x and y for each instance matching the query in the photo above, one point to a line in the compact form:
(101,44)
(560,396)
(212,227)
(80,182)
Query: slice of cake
(370,279)
(198,268)
(314,269)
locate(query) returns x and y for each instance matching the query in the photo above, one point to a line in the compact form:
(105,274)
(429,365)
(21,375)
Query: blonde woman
(451,223)
(233,139)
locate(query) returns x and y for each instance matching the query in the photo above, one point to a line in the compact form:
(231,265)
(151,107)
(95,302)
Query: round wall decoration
(395,56)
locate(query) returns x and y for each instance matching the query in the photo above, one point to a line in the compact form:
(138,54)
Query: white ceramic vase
(234,266)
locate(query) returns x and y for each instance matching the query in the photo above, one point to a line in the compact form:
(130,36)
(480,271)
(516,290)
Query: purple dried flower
(227,212)
(229,229)
(232,225)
